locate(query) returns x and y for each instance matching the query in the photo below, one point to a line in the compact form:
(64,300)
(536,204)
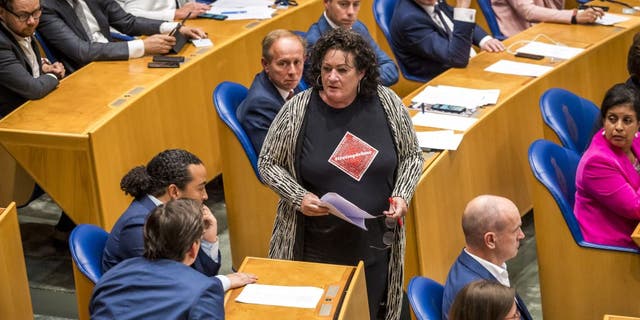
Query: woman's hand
(397,208)
(311,206)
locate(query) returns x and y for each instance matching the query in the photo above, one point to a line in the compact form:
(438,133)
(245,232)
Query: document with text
(518,68)
(284,296)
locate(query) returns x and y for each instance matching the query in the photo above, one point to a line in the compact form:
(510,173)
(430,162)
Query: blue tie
(440,15)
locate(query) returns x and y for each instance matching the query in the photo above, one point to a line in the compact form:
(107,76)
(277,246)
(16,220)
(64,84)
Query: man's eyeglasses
(36,14)
(387,237)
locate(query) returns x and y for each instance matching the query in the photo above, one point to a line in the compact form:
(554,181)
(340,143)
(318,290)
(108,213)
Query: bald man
(491,227)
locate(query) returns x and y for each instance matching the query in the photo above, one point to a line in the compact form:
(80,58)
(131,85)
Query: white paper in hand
(345,210)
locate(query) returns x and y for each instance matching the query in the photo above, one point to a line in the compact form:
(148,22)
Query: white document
(199,43)
(518,68)
(610,19)
(345,210)
(241,3)
(284,296)
(442,139)
(443,121)
(243,13)
(457,96)
(550,50)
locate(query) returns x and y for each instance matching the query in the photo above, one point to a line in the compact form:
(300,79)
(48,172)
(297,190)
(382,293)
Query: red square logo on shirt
(353,156)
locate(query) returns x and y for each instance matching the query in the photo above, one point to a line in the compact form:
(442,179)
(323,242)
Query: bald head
(485,213)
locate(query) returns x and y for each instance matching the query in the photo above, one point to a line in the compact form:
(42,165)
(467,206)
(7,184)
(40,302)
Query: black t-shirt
(358,140)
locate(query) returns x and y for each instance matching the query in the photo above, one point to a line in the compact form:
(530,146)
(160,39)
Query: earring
(603,134)
(358,92)
(635,135)
(319,82)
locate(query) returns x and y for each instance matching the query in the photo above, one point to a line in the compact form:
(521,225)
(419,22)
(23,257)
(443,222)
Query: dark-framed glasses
(23,17)
(388,236)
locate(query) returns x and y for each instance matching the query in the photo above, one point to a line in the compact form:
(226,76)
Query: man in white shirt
(77,32)
(492,232)
(164,9)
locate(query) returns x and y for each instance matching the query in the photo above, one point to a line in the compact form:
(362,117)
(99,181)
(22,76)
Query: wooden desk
(294,273)
(108,117)
(15,299)
(492,158)
(610,317)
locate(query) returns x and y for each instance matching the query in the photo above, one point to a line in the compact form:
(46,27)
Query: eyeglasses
(388,236)
(36,14)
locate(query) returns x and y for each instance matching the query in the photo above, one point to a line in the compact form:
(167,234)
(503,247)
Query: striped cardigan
(277,168)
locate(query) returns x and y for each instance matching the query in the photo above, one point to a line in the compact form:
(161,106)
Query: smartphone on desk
(160,58)
(163,64)
(448,108)
(213,16)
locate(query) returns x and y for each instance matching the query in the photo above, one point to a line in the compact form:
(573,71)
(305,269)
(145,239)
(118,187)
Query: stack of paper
(285,296)
(441,140)
(550,50)
(457,96)
(443,121)
(243,9)
(610,19)
(518,68)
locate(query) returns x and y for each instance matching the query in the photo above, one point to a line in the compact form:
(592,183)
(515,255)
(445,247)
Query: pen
(233,12)
(391,203)
(422,107)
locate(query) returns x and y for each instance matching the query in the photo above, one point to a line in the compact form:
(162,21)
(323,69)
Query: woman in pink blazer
(607,203)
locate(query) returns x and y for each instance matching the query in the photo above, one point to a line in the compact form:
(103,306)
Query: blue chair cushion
(490,17)
(86,243)
(425,296)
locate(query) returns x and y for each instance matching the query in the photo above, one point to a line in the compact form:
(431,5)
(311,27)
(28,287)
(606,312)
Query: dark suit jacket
(386,66)
(162,289)
(259,108)
(18,84)
(126,240)
(423,47)
(63,33)
(466,270)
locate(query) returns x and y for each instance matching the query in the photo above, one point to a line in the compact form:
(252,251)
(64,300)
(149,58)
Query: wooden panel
(355,303)
(84,289)
(16,184)
(610,317)
(15,299)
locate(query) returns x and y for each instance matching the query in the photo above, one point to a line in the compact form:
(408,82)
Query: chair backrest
(383,12)
(555,167)
(573,118)
(490,16)
(226,98)
(425,296)
(87,244)
(121,36)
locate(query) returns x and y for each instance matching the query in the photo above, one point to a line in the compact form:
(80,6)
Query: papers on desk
(345,210)
(457,96)
(610,19)
(518,68)
(241,3)
(441,140)
(284,296)
(550,50)
(200,43)
(243,9)
(443,121)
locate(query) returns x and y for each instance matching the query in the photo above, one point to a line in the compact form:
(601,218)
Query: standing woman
(607,203)
(352,136)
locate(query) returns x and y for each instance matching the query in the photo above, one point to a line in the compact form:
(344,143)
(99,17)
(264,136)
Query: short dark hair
(620,94)
(633,58)
(482,300)
(167,167)
(273,36)
(172,228)
(7,4)
(351,42)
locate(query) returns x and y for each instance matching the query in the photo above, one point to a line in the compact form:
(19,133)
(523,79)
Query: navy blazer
(63,33)
(256,112)
(18,84)
(160,289)
(424,48)
(386,66)
(126,239)
(466,270)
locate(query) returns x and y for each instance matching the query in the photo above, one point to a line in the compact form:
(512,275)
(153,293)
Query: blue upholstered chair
(227,97)
(86,243)
(490,17)
(572,118)
(382,12)
(578,279)
(121,37)
(425,296)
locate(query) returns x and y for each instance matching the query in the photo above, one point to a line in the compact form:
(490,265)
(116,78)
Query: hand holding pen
(397,209)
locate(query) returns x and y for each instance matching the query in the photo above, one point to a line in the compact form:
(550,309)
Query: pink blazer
(607,202)
(516,15)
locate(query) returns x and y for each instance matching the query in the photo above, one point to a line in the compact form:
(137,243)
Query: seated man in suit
(517,15)
(164,9)
(282,64)
(161,285)
(344,13)
(431,37)
(77,32)
(172,174)
(25,75)
(491,227)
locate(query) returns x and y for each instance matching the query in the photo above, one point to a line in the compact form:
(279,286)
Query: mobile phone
(448,108)
(168,58)
(163,64)
(213,16)
(529,56)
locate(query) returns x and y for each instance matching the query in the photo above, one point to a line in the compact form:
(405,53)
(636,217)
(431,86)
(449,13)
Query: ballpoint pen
(399,218)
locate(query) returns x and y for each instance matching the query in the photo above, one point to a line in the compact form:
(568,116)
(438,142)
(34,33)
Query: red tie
(290,95)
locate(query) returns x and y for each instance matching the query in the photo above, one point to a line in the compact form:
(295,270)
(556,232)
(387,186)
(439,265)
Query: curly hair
(166,168)
(172,228)
(482,300)
(350,42)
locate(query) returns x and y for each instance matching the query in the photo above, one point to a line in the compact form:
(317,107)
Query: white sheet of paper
(202,42)
(241,3)
(518,68)
(442,139)
(243,13)
(345,210)
(610,19)
(443,121)
(457,96)
(284,296)
(550,50)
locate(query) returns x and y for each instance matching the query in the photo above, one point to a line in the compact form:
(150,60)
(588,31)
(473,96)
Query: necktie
(291,94)
(31,57)
(443,21)
(78,8)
